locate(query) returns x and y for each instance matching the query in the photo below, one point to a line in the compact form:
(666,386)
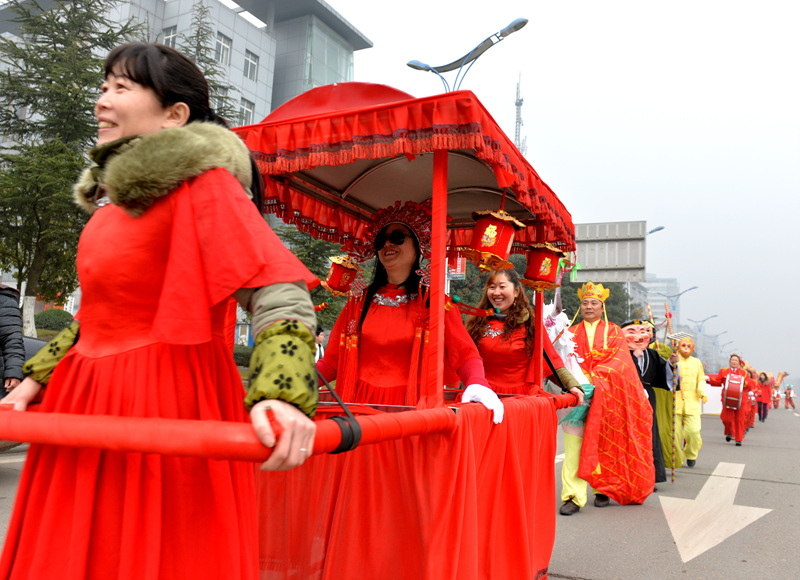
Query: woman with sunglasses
(376,348)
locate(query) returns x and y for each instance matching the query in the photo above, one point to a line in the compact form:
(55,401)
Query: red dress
(155,294)
(388,361)
(507,364)
(734,420)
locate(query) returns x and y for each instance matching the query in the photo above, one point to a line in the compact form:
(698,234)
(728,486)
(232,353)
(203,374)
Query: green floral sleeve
(40,366)
(282,367)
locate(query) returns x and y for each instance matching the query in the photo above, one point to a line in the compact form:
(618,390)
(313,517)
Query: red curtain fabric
(311,135)
(474,503)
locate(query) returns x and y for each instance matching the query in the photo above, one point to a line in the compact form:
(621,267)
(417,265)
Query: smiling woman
(505,340)
(173,242)
(375,350)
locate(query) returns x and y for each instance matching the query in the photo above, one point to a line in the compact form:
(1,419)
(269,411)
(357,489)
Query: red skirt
(91,514)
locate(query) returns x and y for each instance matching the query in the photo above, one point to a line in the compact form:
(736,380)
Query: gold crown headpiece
(415,216)
(592,290)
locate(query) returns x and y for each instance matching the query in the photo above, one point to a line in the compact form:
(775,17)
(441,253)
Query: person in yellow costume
(615,454)
(692,387)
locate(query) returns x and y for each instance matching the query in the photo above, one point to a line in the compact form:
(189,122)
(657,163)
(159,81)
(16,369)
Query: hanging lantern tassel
(542,267)
(323,305)
(492,238)
(470,310)
(341,276)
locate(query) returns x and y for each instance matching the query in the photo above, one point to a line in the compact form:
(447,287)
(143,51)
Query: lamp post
(673,299)
(468,58)
(701,323)
(715,350)
(655,229)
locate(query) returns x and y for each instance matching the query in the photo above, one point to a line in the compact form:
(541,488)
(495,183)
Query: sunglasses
(397,237)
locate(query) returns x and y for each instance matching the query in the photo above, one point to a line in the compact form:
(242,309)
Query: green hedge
(53,319)
(241,354)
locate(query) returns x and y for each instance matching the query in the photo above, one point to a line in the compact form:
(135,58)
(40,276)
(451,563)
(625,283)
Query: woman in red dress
(764,396)
(505,340)
(173,238)
(376,347)
(734,419)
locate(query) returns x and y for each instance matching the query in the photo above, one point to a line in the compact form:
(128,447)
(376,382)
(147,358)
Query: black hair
(520,313)
(380,278)
(319,329)
(174,78)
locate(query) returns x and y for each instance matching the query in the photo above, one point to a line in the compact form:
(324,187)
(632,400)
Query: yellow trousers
(572,487)
(687,428)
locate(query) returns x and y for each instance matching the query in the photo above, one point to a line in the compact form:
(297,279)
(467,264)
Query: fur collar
(149,167)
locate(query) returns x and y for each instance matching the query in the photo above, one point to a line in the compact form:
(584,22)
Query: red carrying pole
(431,387)
(209,439)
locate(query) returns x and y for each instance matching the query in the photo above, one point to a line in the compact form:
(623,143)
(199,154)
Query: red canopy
(477,502)
(338,153)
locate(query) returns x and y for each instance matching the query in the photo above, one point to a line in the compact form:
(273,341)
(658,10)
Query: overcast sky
(685,114)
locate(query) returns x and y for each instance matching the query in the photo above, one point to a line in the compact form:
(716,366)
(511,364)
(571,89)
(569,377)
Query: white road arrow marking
(700,524)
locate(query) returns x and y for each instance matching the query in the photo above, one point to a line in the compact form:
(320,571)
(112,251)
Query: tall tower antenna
(520,143)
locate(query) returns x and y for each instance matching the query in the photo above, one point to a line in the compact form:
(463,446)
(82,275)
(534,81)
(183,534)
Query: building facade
(268,51)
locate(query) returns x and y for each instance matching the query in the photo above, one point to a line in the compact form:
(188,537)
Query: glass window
(170,36)
(251,65)
(328,58)
(246,111)
(222,51)
(218,97)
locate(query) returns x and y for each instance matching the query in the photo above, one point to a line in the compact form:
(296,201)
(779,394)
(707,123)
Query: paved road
(688,529)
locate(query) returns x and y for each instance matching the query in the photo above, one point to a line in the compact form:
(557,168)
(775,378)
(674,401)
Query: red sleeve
(555,358)
(718,379)
(461,353)
(219,243)
(328,365)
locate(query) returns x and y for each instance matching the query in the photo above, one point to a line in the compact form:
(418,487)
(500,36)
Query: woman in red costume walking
(733,419)
(173,238)
(764,396)
(505,340)
(376,347)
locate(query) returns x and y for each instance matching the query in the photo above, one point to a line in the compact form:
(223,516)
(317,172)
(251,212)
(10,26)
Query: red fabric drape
(617,450)
(474,503)
(305,137)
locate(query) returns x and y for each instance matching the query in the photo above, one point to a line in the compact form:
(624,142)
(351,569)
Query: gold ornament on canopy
(342,274)
(492,238)
(542,267)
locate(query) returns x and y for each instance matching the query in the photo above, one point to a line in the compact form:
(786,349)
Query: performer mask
(637,336)
(686,347)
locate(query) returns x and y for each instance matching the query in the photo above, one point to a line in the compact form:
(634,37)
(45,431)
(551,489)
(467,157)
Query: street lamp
(701,323)
(714,337)
(469,58)
(655,229)
(724,345)
(673,298)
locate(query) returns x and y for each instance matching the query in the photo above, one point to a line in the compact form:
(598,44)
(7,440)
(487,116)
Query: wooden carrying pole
(674,394)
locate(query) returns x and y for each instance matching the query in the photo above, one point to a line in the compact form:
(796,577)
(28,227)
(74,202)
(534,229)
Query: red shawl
(617,451)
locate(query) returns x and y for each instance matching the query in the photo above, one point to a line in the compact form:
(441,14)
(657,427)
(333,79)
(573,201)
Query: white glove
(486,397)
